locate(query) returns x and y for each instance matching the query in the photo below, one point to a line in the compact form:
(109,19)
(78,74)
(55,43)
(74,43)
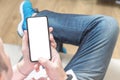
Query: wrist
(17,75)
(24,68)
(20,71)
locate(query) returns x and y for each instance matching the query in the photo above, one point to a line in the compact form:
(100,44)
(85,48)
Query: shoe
(60,47)
(117,1)
(26,11)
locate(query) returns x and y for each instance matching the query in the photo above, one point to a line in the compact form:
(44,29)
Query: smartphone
(38,38)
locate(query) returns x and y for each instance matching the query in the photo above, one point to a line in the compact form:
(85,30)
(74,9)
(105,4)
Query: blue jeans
(95,35)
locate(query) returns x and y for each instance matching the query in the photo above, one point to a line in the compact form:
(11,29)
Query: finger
(50,29)
(45,62)
(1,42)
(51,37)
(54,52)
(55,56)
(25,41)
(36,67)
(53,43)
(1,45)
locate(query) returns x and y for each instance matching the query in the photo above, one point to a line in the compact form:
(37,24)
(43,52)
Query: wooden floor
(10,17)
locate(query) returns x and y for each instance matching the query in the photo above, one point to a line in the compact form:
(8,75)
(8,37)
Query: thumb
(44,62)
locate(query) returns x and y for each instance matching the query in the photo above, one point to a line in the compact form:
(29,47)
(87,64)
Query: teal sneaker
(26,11)
(60,47)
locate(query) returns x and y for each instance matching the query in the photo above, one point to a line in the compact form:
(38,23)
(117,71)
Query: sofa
(14,51)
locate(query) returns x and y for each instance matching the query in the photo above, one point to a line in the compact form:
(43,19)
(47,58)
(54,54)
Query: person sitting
(95,35)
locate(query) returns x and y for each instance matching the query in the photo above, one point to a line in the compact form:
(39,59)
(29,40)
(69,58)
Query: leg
(95,50)
(95,35)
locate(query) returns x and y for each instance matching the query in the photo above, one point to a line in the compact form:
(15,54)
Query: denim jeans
(95,35)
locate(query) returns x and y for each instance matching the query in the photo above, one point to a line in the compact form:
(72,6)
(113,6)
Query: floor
(10,16)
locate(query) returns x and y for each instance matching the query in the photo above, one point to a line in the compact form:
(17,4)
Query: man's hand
(54,67)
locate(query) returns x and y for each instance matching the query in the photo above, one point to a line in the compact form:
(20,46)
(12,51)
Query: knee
(109,25)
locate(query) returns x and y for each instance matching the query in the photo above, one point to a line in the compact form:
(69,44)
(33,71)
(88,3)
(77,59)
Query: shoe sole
(117,2)
(20,30)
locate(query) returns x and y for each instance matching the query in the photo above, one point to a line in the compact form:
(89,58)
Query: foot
(26,11)
(60,47)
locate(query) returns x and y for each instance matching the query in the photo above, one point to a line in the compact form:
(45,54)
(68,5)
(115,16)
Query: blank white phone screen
(39,45)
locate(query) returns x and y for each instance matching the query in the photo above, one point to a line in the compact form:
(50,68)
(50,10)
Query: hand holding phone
(38,37)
